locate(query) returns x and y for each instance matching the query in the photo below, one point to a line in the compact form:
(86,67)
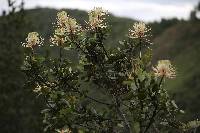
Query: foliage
(19,110)
(130,96)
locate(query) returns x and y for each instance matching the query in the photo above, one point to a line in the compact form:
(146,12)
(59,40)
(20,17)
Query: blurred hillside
(181,44)
(173,39)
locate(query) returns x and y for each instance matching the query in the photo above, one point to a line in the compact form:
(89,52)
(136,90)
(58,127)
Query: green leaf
(142,95)
(127,82)
(40,59)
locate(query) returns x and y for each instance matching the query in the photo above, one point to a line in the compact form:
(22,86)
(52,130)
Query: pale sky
(146,10)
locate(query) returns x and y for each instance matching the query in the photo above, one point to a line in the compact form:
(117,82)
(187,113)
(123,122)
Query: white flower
(60,31)
(37,89)
(57,40)
(62,18)
(32,40)
(67,24)
(164,69)
(59,37)
(70,70)
(97,17)
(72,26)
(193,124)
(139,30)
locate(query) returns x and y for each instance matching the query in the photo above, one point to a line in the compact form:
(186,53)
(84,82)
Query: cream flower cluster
(65,26)
(62,18)
(59,37)
(97,18)
(139,30)
(32,40)
(164,69)
(59,41)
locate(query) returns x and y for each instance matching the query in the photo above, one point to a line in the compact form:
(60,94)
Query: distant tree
(198,6)
(194,12)
(193,16)
(17,111)
(160,27)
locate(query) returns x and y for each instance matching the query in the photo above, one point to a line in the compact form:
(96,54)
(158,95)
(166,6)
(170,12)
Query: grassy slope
(181,44)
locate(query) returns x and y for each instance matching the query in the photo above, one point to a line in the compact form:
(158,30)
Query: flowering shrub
(109,90)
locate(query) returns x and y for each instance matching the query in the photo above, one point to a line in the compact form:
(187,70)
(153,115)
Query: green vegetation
(174,39)
(133,97)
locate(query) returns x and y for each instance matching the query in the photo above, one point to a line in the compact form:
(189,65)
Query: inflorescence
(66,26)
(33,39)
(140,31)
(164,69)
(97,18)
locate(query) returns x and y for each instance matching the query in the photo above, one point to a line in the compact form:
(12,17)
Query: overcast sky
(146,10)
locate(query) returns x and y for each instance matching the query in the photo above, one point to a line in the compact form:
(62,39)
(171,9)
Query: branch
(100,41)
(161,81)
(108,104)
(122,115)
(60,55)
(106,53)
(152,119)
(48,104)
(78,46)
(140,45)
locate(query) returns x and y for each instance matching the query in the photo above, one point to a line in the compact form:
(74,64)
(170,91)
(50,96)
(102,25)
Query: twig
(97,100)
(100,38)
(60,54)
(140,45)
(106,53)
(152,119)
(76,90)
(122,115)
(161,81)
(78,46)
